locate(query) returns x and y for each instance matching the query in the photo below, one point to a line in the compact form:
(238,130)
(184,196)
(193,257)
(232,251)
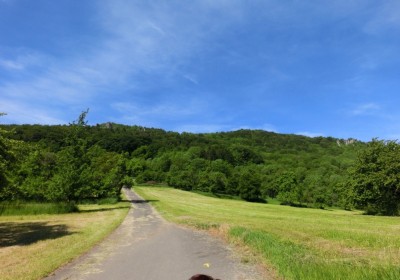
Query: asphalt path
(146,247)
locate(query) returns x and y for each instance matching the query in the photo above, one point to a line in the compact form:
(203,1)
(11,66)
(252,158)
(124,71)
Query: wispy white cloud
(160,37)
(56,86)
(150,114)
(386,17)
(20,113)
(366,109)
(191,78)
(9,64)
(157,28)
(7,1)
(23,60)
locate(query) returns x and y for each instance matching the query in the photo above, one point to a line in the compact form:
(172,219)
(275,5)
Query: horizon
(325,68)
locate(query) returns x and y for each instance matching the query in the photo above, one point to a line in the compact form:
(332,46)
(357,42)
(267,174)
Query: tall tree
(72,161)
(7,160)
(290,190)
(375,179)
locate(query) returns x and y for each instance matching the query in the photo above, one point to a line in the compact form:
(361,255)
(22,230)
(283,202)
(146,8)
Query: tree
(103,177)
(375,178)
(73,179)
(214,182)
(7,160)
(221,166)
(249,185)
(181,179)
(34,174)
(290,191)
(243,155)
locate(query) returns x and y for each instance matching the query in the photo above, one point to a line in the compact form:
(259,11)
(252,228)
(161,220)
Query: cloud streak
(366,109)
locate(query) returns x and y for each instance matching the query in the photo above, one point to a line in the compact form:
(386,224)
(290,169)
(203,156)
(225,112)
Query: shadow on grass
(103,209)
(139,201)
(12,234)
(134,201)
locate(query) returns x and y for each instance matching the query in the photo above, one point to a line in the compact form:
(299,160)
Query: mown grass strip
(299,243)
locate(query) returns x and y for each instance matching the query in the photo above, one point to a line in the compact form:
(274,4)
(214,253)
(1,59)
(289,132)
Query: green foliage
(290,191)
(249,185)
(68,159)
(85,173)
(243,154)
(375,178)
(181,179)
(77,170)
(8,159)
(214,182)
(35,173)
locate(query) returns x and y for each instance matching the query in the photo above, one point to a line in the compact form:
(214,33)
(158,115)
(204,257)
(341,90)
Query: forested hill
(251,164)
(123,138)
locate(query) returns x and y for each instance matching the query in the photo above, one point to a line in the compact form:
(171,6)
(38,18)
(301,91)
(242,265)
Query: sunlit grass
(299,243)
(32,246)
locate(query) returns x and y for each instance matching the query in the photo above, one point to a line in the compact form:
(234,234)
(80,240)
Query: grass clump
(35,208)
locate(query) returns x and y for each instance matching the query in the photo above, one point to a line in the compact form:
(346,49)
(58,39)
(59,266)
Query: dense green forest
(78,162)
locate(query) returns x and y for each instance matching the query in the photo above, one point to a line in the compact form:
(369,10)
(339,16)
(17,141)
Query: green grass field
(298,243)
(32,246)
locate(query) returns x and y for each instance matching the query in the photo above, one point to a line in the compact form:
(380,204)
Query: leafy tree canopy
(375,178)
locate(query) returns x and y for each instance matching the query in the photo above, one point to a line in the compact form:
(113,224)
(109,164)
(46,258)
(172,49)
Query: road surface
(146,247)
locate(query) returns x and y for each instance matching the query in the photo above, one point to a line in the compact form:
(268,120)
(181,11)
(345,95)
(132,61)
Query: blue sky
(329,68)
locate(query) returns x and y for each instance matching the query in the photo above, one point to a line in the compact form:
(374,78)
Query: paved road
(146,247)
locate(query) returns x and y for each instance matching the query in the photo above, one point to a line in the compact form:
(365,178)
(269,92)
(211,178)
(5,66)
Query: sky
(315,68)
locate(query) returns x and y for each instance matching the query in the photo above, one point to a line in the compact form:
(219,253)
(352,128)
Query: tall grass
(35,208)
(295,261)
(299,243)
(12,208)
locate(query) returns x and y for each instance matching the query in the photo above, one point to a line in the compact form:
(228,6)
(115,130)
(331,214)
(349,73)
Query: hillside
(251,164)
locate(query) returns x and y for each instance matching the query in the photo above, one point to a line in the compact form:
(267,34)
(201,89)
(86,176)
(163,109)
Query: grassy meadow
(32,246)
(298,243)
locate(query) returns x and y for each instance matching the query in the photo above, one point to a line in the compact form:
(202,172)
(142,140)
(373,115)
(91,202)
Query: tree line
(76,162)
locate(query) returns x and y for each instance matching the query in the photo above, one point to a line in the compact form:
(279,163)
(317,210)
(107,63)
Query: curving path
(146,247)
